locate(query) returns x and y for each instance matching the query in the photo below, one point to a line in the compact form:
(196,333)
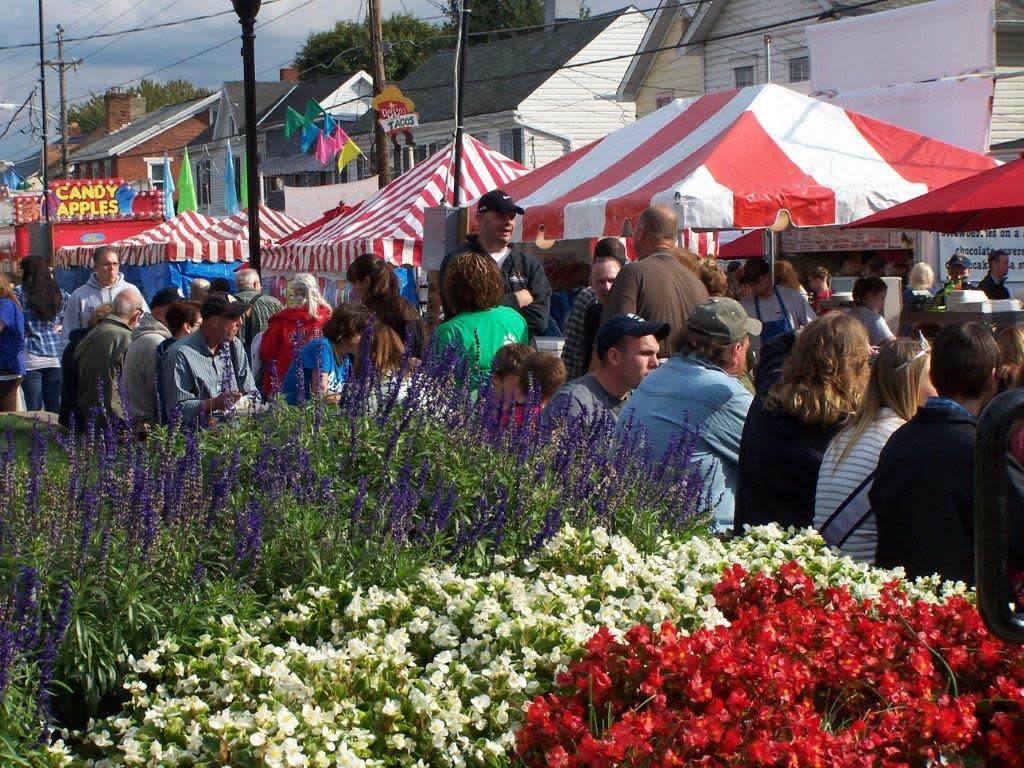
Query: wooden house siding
(671,73)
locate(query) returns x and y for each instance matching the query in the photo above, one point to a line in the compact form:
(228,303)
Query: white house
(533,97)
(717,45)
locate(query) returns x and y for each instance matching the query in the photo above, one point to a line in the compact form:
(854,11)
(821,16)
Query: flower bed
(439,672)
(800,675)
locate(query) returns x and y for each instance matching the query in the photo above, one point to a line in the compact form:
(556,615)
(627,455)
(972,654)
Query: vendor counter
(910,318)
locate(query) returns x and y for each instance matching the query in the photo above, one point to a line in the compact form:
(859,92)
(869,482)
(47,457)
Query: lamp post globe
(247,10)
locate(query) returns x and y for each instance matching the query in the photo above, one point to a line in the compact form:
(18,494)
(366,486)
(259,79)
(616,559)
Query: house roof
(134,133)
(268,96)
(499,75)
(317,90)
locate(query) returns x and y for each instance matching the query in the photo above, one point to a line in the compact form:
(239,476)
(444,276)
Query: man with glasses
(100,357)
(105,283)
(206,373)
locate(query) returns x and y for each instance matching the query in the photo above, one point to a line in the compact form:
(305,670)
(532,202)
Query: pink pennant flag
(340,137)
(325,148)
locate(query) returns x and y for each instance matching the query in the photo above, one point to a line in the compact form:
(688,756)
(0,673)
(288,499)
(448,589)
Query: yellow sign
(395,112)
(87,199)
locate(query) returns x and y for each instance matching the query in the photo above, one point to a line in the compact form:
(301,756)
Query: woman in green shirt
(480,325)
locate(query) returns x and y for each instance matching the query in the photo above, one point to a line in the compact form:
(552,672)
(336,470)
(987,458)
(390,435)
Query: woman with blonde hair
(303,317)
(1010,341)
(920,283)
(897,387)
(809,384)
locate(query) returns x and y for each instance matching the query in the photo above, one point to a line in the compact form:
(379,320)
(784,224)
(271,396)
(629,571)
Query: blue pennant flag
(309,136)
(168,189)
(230,195)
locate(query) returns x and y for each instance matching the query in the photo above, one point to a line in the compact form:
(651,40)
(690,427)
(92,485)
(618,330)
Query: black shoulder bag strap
(849,516)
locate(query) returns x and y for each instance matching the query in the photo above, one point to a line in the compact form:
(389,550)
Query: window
(512,144)
(156,174)
(202,171)
(107,168)
(799,69)
(744,76)
(663,98)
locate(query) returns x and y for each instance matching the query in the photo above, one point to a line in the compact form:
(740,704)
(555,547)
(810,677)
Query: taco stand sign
(395,112)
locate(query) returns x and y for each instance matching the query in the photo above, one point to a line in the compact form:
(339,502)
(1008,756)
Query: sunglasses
(923,349)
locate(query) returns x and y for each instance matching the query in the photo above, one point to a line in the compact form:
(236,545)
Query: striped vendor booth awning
(390,223)
(736,160)
(228,239)
(174,240)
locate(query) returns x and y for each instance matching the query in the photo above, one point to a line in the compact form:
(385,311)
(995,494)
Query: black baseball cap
(498,200)
(721,320)
(218,305)
(614,328)
(164,297)
(754,270)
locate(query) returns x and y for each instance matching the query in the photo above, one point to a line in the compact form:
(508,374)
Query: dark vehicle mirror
(993,522)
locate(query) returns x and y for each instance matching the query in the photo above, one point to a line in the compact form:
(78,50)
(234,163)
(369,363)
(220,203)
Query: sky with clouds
(111,61)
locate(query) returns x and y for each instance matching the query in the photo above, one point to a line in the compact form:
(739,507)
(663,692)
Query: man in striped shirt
(207,372)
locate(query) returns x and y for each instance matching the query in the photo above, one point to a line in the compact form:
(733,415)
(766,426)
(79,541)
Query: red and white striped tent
(174,240)
(736,160)
(228,239)
(390,223)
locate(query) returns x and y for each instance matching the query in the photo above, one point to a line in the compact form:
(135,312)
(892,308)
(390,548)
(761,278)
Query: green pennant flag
(313,111)
(245,184)
(186,187)
(293,122)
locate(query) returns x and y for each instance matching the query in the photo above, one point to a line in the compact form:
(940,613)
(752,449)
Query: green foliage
(91,114)
(496,15)
(312,496)
(346,48)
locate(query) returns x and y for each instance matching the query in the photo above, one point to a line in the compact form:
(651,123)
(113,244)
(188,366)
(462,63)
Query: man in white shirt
(779,309)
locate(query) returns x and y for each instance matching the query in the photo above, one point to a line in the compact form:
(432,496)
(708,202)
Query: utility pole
(460,77)
(44,121)
(62,67)
(767,58)
(377,51)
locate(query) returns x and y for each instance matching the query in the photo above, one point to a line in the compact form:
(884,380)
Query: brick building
(132,142)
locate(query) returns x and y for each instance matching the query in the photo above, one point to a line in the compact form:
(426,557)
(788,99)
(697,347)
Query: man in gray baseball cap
(698,389)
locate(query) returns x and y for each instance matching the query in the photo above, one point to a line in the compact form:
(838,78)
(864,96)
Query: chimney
(121,109)
(118,109)
(560,10)
(137,107)
(74,129)
(288,75)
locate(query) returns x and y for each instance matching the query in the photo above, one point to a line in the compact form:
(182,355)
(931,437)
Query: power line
(197,54)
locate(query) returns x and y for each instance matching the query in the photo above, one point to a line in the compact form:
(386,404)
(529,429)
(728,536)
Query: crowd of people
(799,415)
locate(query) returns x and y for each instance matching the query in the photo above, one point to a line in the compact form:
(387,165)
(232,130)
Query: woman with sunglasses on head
(898,385)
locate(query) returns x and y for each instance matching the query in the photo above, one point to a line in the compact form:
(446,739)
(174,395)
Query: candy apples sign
(91,200)
(395,112)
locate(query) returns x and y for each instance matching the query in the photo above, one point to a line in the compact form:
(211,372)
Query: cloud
(139,53)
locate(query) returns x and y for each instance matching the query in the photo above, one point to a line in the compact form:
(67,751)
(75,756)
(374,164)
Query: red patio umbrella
(987,200)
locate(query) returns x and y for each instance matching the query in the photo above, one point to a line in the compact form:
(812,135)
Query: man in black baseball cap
(698,390)
(194,372)
(526,286)
(627,351)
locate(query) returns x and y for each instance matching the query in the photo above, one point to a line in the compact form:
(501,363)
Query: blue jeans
(41,388)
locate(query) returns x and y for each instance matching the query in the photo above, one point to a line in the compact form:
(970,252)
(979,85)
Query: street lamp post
(247,11)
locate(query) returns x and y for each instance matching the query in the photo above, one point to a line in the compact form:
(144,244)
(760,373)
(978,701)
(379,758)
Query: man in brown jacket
(656,287)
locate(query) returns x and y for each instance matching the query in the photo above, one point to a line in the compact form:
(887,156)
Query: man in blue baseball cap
(627,350)
(958,269)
